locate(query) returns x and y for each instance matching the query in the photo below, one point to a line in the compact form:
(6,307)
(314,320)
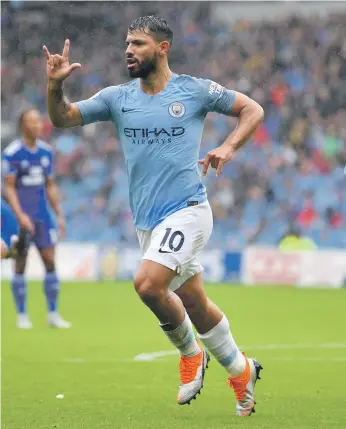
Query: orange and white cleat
(244,387)
(192,370)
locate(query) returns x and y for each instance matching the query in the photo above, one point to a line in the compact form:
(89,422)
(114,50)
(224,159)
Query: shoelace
(188,367)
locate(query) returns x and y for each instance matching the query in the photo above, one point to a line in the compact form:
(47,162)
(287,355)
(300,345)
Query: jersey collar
(31,150)
(143,94)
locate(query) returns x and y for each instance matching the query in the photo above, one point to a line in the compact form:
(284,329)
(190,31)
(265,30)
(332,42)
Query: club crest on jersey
(177,110)
(45,161)
(25,163)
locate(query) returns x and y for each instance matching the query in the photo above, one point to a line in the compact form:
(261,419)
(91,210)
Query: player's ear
(164,48)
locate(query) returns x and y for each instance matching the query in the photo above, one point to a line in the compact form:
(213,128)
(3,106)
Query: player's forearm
(4,250)
(57,104)
(52,194)
(13,200)
(249,119)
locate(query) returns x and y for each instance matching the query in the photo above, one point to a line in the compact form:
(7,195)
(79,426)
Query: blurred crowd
(291,173)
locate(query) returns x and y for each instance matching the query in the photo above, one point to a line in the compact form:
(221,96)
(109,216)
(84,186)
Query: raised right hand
(26,223)
(58,66)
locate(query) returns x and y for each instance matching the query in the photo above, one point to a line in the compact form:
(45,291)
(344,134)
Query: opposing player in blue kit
(160,117)
(30,187)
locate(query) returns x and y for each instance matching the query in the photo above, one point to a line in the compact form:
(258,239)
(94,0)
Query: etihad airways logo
(153,135)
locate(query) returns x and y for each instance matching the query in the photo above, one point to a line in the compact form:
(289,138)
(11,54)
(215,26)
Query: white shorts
(177,241)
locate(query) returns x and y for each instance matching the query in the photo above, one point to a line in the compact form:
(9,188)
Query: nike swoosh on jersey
(124,110)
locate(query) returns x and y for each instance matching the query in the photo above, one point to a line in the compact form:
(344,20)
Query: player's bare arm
(11,192)
(250,114)
(52,194)
(62,113)
(3,250)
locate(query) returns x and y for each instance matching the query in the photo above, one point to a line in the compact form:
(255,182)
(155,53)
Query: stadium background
(290,57)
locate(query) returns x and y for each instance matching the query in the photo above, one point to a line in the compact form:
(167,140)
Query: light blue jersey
(160,136)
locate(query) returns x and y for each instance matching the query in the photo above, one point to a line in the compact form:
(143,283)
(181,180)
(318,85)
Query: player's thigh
(176,242)
(152,278)
(45,236)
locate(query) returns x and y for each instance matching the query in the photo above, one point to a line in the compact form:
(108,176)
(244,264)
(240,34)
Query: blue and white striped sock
(182,337)
(219,341)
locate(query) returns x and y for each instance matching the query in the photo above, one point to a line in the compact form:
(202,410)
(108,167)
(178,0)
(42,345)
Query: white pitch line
(74,360)
(155,355)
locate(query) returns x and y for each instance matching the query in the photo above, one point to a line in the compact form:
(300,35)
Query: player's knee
(50,266)
(49,263)
(20,265)
(148,290)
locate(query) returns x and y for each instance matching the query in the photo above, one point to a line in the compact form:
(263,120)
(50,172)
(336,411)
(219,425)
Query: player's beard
(145,68)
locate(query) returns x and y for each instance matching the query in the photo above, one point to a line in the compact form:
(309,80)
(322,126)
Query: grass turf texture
(92,363)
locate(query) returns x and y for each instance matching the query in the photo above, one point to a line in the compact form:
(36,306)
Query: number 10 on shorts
(175,240)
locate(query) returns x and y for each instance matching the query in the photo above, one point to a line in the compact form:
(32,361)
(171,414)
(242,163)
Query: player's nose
(129,51)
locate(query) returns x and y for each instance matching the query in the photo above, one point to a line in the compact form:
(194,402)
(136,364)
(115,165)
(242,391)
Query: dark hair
(155,25)
(22,117)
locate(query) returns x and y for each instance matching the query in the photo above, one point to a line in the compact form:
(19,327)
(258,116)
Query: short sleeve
(9,165)
(216,98)
(96,108)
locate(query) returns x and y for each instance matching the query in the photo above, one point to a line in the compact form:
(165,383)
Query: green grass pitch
(298,335)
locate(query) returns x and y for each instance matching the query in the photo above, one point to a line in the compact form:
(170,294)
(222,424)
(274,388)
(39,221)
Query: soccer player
(160,117)
(29,185)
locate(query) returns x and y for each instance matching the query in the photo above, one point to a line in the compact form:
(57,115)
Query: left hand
(61,226)
(217,158)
